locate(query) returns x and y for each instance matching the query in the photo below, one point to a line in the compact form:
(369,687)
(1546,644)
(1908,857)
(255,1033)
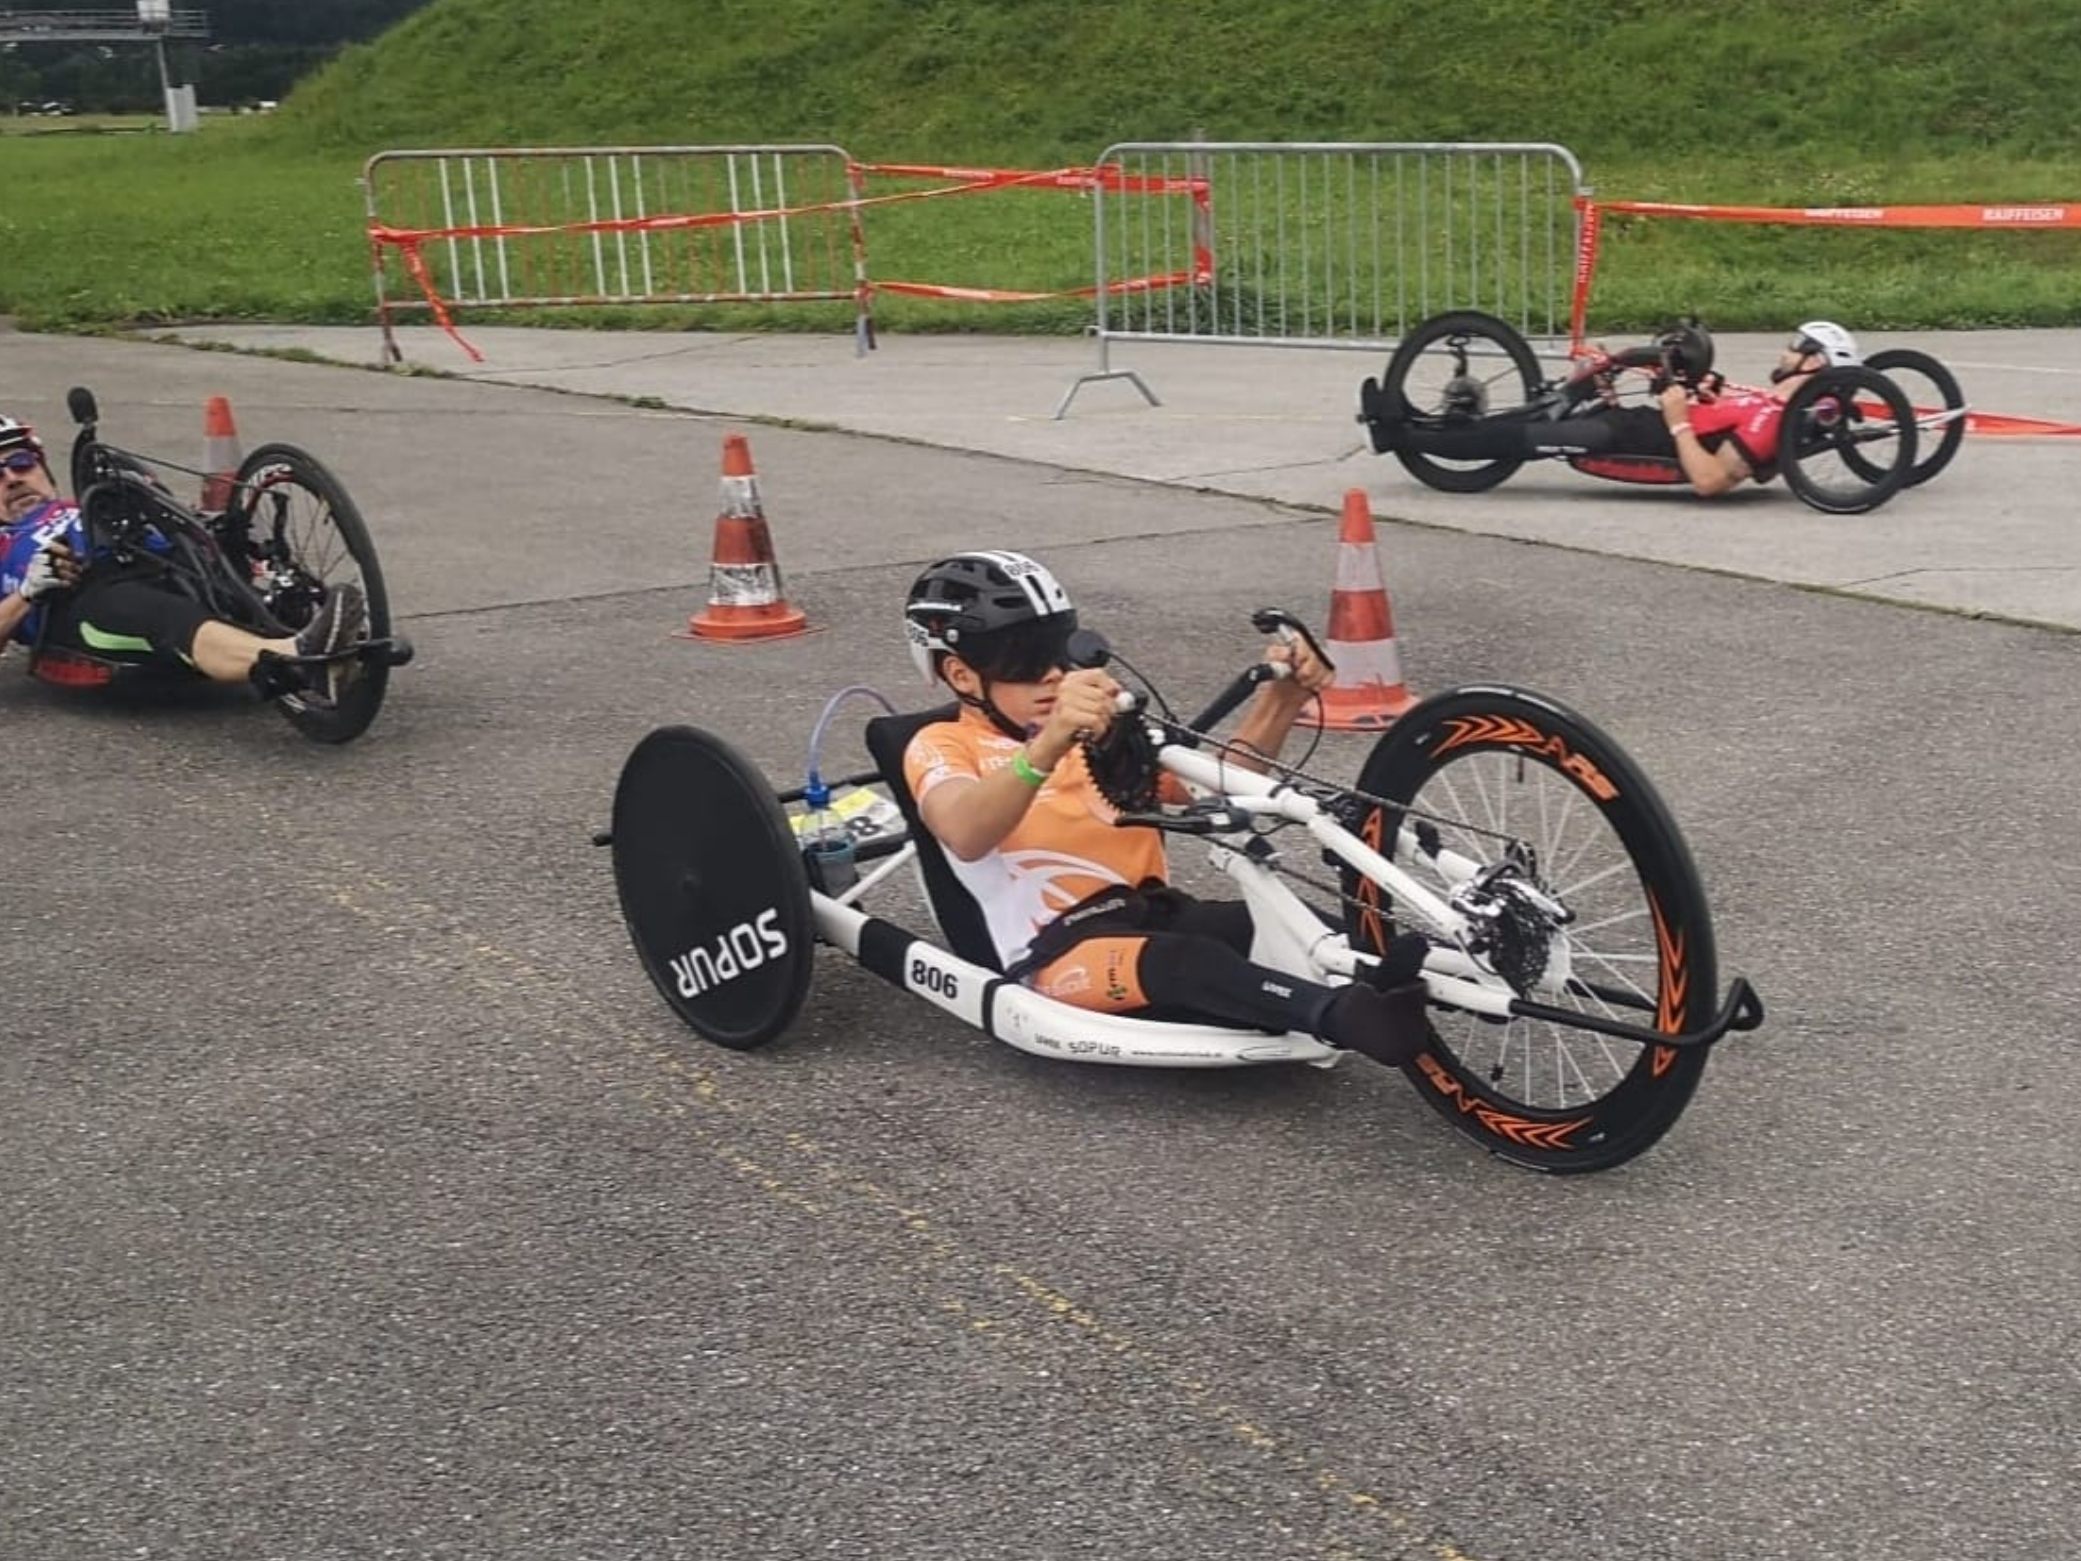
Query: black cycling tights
(1162,954)
(122,613)
(1622,431)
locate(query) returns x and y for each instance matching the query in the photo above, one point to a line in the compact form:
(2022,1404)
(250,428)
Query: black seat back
(960,917)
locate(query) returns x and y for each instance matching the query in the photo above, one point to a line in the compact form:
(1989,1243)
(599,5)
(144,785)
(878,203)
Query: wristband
(1678,428)
(1023,768)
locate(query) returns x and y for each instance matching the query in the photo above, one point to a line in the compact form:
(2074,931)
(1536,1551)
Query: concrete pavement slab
(364,1200)
(1993,536)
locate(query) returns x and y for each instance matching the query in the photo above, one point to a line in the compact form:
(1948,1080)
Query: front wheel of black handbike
(1470,771)
(1848,440)
(305,538)
(1454,370)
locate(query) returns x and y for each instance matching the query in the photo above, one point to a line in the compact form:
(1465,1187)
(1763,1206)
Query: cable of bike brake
(1294,772)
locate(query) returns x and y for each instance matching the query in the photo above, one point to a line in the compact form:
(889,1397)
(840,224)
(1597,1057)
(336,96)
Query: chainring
(1123,765)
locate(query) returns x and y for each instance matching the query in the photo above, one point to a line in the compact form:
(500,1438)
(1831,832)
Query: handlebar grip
(1290,631)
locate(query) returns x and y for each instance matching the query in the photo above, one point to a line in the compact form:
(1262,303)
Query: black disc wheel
(1932,390)
(1451,371)
(1459,779)
(1848,440)
(304,538)
(712,887)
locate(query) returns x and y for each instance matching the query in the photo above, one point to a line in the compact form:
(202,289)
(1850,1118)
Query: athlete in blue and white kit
(114,609)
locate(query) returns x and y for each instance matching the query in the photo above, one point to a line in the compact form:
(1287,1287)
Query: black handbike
(1851,438)
(287,536)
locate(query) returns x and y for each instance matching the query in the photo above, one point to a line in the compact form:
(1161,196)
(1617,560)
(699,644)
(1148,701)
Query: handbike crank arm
(1743,1010)
(1220,821)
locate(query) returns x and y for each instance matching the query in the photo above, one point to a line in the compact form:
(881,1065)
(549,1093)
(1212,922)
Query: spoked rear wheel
(1503,763)
(1454,369)
(306,538)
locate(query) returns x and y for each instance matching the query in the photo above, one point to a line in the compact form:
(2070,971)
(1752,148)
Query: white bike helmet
(1830,340)
(18,436)
(1002,613)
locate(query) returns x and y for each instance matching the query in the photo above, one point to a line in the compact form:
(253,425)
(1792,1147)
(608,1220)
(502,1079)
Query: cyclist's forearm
(13,609)
(1264,726)
(1702,469)
(970,817)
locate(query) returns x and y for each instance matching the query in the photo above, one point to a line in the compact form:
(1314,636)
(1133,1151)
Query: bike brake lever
(1274,620)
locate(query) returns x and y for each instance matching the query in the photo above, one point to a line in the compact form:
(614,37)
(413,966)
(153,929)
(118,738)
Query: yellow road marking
(497,970)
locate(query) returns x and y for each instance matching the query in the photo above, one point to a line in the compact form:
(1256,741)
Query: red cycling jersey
(1750,417)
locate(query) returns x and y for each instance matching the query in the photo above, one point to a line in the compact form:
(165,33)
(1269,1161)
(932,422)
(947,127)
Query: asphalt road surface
(362,1199)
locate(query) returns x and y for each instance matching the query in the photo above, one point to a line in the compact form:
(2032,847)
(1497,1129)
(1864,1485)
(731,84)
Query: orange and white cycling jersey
(1060,852)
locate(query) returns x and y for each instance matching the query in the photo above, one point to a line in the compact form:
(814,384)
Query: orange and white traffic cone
(746,599)
(221,455)
(1368,692)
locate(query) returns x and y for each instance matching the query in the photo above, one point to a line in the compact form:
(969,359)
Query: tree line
(257,50)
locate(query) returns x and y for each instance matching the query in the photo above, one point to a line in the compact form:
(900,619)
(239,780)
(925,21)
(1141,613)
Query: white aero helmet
(1000,612)
(1828,339)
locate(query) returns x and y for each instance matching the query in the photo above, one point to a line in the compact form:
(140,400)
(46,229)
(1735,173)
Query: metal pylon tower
(152,21)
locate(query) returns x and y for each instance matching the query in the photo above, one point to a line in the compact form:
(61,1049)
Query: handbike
(287,536)
(1571,971)
(1851,437)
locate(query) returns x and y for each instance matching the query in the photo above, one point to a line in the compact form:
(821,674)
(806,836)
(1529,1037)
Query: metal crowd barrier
(1331,244)
(518,227)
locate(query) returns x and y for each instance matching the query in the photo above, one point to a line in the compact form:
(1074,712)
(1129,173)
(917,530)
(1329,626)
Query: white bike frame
(1288,936)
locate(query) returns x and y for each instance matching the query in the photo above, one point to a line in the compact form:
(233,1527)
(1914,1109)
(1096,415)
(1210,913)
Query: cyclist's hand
(1083,708)
(1676,401)
(1709,385)
(55,567)
(1311,673)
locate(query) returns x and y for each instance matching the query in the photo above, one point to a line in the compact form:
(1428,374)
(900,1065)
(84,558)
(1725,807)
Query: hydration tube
(815,794)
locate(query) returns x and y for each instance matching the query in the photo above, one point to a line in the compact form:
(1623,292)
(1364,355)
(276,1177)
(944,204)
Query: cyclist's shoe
(341,620)
(1388,1026)
(1401,963)
(1386,415)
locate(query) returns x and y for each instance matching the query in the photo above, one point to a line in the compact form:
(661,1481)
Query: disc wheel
(1933,391)
(1454,369)
(1639,947)
(304,538)
(712,887)
(1848,440)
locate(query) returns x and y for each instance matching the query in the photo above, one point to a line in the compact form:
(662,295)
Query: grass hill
(1767,101)
(1052,79)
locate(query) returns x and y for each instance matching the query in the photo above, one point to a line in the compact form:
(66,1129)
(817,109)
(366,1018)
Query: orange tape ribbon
(2051,214)
(1107,177)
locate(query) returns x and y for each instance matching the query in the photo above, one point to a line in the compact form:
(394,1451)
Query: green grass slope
(1053,79)
(1766,101)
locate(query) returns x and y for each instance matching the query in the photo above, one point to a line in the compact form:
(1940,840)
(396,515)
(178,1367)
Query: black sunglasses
(1028,652)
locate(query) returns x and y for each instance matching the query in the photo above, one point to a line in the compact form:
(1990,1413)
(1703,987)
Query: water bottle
(828,844)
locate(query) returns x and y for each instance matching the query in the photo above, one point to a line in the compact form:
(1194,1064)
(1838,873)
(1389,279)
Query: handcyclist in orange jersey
(1078,907)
